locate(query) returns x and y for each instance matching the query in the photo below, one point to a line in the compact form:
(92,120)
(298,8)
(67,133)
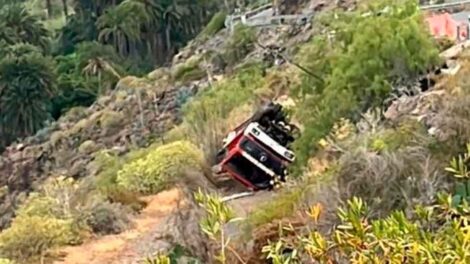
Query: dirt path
(141,240)
(130,246)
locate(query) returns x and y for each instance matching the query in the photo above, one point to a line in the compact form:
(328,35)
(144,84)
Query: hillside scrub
(241,42)
(215,24)
(206,116)
(189,70)
(435,230)
(162,166)
(32,236)
(61,212)
(358,64)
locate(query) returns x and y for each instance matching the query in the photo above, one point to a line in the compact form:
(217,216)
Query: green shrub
(58,198)
(5,261)
(111,121)
(390,180)
(216,23)
(433,235)
(206,116)
(283,205)
(107,218)
(33,235)
(106,180)
(161,166)
(87,147)
(407,134)
(353,71)
(239,44)
(189,70)
(77,204)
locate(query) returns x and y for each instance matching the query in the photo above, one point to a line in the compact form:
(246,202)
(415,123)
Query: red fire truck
(257,153)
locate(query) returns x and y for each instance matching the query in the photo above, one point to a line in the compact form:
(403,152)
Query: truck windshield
(244,168)
(262,155)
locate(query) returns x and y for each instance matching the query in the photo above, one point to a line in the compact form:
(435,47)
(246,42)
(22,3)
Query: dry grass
(452,122)
(390,180)
(208,127)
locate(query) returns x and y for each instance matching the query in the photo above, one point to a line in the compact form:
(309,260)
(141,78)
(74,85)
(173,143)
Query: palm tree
(27,84)
(49,8)
(148,14)
(96,67)
(21,26)
(65,8)
(174,17)
(119,27)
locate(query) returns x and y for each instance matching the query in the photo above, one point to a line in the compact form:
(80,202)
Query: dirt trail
(141,240)
(130,246)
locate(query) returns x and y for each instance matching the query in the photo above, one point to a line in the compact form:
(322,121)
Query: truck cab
(257,153)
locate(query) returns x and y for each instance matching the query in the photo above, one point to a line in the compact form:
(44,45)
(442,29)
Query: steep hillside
(131,119)
(128,177)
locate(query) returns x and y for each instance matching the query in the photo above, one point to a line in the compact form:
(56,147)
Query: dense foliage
(82,48)
(363,55)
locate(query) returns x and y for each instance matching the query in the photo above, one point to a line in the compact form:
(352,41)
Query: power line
(280,55)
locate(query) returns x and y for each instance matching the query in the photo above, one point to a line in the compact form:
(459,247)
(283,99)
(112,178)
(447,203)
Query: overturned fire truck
(257,152)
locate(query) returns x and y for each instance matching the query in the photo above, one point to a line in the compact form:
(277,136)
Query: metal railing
(444,5)
(249,18)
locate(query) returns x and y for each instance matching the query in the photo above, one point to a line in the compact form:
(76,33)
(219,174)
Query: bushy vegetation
(434,231)
(83,48)
(189,70)
(106,180)
(215,24)
(207,116)
(160,167)
(430,233)
(360,58)
(62,212)
(32,236)
(241,42)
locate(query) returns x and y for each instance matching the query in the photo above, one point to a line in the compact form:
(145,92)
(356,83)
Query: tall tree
(65,8)
(118,27)
(98,67)
(49,8)
(27,84)
(18,25)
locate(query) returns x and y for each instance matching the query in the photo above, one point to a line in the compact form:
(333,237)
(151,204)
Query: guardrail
(258,10)
(248,18)
(278,20)
(444,5)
